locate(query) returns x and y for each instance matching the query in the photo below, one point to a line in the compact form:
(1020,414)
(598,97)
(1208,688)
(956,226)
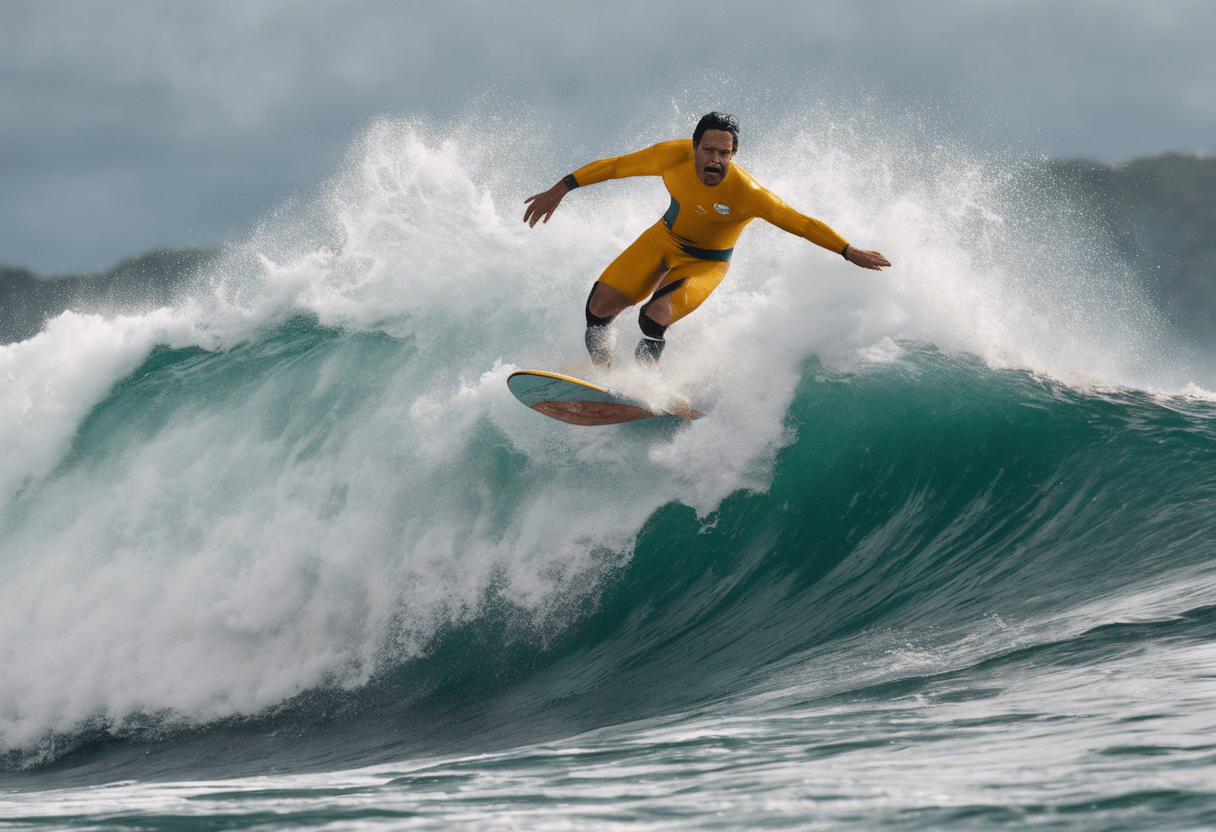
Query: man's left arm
(780,214)
(866,259)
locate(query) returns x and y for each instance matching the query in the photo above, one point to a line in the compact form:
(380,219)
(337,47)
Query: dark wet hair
(717,121)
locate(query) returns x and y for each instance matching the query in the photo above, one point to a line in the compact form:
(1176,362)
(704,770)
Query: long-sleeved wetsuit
(687,252)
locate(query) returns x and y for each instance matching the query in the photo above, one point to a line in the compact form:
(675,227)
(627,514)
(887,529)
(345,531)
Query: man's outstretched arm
(775,210)
(652,161)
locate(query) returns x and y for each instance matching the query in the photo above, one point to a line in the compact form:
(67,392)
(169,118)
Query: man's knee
(606,314)
(605,303)
(661,307)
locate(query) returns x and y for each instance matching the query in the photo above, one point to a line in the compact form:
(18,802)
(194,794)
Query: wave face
(296,516)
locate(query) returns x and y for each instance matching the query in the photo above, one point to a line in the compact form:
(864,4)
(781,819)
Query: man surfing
(679,260)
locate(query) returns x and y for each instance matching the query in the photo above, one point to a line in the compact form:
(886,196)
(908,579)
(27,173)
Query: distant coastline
(28,300)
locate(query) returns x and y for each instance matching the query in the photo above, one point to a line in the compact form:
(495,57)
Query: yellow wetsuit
(687,252)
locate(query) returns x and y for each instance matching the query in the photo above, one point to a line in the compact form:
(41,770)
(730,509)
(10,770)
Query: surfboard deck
(577,402)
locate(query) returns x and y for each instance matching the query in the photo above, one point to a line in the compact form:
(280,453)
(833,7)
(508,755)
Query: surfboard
(577,402)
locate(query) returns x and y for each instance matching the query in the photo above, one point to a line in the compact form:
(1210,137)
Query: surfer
(683,257)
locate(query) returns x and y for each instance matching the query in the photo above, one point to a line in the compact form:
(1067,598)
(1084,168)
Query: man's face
(712,156)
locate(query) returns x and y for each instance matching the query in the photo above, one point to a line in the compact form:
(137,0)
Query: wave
(301,500)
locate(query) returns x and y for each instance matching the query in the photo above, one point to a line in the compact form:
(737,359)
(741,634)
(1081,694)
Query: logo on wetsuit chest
(721,209)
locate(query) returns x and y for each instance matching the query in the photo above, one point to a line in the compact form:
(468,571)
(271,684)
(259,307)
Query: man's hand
(542,205)
(866,259)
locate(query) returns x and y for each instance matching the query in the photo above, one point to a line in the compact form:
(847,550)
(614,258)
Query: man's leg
(629,278)
(684,289)
(603,304)
(653,320)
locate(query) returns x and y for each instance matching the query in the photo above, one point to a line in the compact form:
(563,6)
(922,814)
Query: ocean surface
(285,552)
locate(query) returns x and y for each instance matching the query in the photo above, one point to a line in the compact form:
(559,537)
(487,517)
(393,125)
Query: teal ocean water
(286,553)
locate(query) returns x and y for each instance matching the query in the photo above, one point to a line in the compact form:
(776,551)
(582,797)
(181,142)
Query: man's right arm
(541,206)
(653,161)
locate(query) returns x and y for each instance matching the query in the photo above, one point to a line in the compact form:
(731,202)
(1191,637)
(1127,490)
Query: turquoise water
(287,553)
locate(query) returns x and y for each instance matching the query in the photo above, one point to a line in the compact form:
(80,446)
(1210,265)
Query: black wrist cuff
(844,252)
(570,181)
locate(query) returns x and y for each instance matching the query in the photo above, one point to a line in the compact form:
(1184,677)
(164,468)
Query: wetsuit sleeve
(775,210)
(653,161)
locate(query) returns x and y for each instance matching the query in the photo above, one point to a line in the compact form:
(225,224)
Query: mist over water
(307,477)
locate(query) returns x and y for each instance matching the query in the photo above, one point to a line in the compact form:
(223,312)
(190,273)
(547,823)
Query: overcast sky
(126,126)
